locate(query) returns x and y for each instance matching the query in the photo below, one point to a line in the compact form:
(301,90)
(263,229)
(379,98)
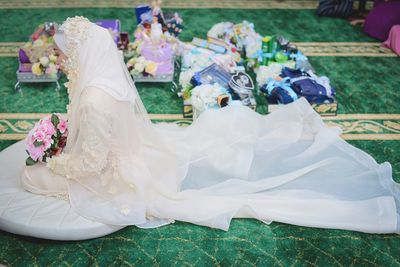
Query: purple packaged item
(113,25)
(23,58)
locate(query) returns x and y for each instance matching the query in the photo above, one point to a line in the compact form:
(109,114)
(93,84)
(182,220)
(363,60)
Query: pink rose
(30,138)
(36,153)
(62,126)
(48,127)
(47,142)
(39,135)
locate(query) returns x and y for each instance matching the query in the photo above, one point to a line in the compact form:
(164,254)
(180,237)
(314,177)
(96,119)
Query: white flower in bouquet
(53,58)
(141,59)
(37,69)
(132,61)
(44,61)
(219,29)
(134,72)
(151,67)
(139,67)
(185,77)
(265,72)
(52,70)
(205,96)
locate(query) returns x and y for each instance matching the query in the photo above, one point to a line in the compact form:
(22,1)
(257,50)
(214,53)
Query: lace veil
(94,60)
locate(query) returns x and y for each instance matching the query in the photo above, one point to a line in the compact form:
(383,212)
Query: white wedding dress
(120,169)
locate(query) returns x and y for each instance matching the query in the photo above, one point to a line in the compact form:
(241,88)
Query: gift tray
(29,77)
(159,78)
(323,109)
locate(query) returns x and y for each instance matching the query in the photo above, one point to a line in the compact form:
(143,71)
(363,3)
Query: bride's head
(90,57)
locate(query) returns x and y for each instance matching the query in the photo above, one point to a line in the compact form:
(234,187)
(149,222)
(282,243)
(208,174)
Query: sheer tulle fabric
(233,162)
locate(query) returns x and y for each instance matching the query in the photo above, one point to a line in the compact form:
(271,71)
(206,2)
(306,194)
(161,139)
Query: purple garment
(113,25)
(23,58)
(381,19)
(393,42)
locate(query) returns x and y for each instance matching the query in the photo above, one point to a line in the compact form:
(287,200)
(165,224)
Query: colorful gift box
(142,12)
(161,54)
(114,26)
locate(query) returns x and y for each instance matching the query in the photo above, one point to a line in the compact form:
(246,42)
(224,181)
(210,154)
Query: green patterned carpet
(365,85)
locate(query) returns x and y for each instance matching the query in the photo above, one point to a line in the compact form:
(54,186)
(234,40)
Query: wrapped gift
(205,44)
(143,12)
(210,75)
(114,26)
(23,57)
(295,83)
(162,54)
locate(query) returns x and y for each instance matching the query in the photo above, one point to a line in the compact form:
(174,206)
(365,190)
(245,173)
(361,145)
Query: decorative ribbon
(260,55)
(297,56)
(284,84)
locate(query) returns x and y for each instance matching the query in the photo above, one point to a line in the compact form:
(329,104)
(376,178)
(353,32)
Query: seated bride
(118,168)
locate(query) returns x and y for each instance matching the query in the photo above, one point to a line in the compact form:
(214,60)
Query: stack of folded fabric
(292,84)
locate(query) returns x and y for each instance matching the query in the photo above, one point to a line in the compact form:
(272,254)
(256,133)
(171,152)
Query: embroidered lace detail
(75,32)
(110,174)
(58,164)
(125,210)
(64,197)
(95,152)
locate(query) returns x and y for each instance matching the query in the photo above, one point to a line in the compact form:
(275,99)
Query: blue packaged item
(207,45)
(143,12)
(315,89)
(279,92)
(210,75)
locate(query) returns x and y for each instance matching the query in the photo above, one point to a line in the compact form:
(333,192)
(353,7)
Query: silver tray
(29,77)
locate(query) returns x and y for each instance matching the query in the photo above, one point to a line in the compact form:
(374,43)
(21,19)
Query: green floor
(364,85)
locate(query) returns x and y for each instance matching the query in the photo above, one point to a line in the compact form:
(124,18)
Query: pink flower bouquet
(46,139)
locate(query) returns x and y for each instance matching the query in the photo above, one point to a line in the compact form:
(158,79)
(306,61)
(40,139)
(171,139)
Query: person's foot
(355,22)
